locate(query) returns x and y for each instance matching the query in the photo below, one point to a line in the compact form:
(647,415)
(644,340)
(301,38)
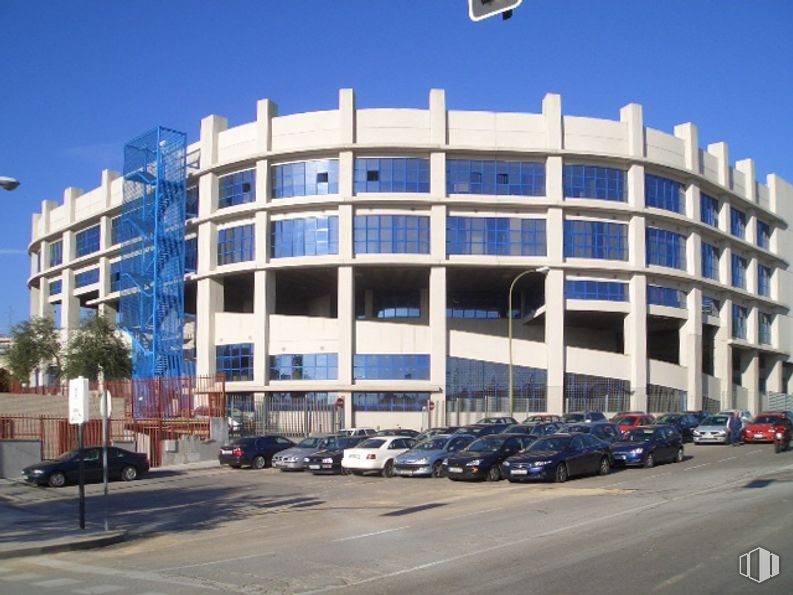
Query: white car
(355,432)
(376,455)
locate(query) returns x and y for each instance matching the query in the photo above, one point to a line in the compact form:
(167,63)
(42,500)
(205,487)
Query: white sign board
(78,400)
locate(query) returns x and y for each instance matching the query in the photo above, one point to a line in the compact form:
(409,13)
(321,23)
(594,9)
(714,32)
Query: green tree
(97,344)
(35,343)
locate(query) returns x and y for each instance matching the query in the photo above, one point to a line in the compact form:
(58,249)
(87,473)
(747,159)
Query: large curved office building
(368,254)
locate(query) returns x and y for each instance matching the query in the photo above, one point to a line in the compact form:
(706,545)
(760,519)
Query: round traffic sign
(431,405)
(340,402)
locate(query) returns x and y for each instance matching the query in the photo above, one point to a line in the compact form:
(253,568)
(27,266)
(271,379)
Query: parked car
(377,454)
(629,421)
(292,459)
(744,414)
(698,414)
(682,422)
(583,417)
(537,429)
(255,451)
(426,458)
(648,445)
(357,431)
(397,432)
(542,417)
(435,431)
(713,430)
(121,464)
(480,430)
(497,420)
(559,457)
(606,431)
(483,457)
(764,426)
(328,461)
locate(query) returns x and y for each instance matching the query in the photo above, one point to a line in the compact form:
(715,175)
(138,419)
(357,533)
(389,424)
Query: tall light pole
(8,183)
(544,270)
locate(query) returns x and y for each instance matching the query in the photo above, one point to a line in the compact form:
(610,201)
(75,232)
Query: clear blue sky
(80,78)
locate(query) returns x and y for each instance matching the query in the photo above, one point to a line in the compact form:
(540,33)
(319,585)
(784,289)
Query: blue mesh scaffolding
(152,255)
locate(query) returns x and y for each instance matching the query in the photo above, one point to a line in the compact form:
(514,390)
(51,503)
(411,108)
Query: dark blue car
(606,431)
(557,458)
(682,422)
(647,445)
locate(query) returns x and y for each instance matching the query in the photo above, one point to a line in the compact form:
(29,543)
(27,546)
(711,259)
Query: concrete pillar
(775,380)
(554,179)
(345,232)
(438,175)
(208,192)
(70,196)
(554,339)
(747,168)
(263,306)
(346,306)
(108,177)
(209,300)
(725,265)
(693,205)
(632,115)
(691,348)
(635,181)
(439,335)
(104,276)
(694,255)
(554,233)
(722,363)
(438,124)
(263,183)
(751,380)
(266,110)
(689,134)
(721,152)
(346,174)
(636,341)
(211,127)
(262,239)
(438,233)
(637,255)
(751,275)
(207,248)
(70,305)
(105,240)
(347,120)
(552,112)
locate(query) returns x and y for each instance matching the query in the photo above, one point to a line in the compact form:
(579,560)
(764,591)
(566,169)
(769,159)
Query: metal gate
(294,414)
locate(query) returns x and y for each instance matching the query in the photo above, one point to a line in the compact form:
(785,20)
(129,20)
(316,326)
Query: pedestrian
(734,426)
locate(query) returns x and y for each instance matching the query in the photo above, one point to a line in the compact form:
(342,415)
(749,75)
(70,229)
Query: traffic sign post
(483,9)
(78,414)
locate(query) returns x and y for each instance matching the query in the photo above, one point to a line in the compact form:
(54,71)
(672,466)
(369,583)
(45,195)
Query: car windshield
(488,444)
(555,443)
(715,420)
(767,419)
(583,428)
(372,443)
(67,456)
(431,444)
(669,418)
(313,442)
(637,435)
(573,417)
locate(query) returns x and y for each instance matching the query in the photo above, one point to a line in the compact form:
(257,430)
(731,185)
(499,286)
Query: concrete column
(439,335)
(211,127)
(635,181)
(345,232)
(68,246)
(105,240)
(104,276)
(70,196)
(637,255)
(689,134)
(632,115)
(347,116)
(693,204)
(207,240)
(346,174)
(725,266)
(438,125)
(722,363)
(554,233)
(554,181)
(438,175)
(752,324)
(554,339)
(208,191)
(694,255)
(70,305)
(266,110)
(751,275)
(438,233)
(747,168)
(775,380)
(751,380)
(263,183)
(552,112)
(262,238)
(263,306)
(691,348)
(209,300)
(346,305)
(636,341)
(108,177)
(721,152)
(39,298)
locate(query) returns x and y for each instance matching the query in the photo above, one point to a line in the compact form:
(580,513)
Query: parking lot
(219,529)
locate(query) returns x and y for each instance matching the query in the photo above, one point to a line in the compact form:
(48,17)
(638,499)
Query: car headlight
(423,461)
(636,451)
(445,462)
(327,460)
(37,472)
(305,459)
(778,436)
(696,432)
(720,433)
(506,463)
(473,463)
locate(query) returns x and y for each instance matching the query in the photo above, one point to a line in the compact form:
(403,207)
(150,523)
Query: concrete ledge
(81,541)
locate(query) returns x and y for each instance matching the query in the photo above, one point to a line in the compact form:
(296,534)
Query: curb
(64,545)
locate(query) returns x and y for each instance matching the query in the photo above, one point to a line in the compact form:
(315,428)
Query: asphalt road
(677,528)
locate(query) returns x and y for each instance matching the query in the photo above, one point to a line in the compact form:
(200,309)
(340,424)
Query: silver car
(425,458)
(292,459)
(714,429)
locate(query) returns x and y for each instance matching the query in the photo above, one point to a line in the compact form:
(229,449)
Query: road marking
(727,459)
(57,582)
(697,466)
(678,577)
(370,534)
(100,589)
(25,576)
(478,512)
(217,562)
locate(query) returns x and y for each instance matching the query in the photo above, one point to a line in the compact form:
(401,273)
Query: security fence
(287,413)
(776,402)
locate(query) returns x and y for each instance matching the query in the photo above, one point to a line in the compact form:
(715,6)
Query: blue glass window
(236,244)
(56,253)
(235,361)
(495,236)
(763,234)
(665,296)
(710,305)
(590,181)
(398,366)
(392,234)
(663,193)
(739,264)
(709,210)
(737,223)
(191,255)
(306,178)
(666,248)
(763,280)
(304,366)
(316,236)
(191,202)
(764,329)
(477,380)
(397,304)
(739,316)
(710,261)
(85,278)
(502,178)
(392,175)
(119,232)
(610,291)
(87,241)
(390,401)
(237,189)
(55,287)
(479,304)
(595,239)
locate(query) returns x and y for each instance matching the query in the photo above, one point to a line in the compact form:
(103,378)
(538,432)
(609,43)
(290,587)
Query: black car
(482,458)
(648,445)
(397,432)
(121,464)
(583,417)
(700,415)
(255,451)
(497,420)
(435,431)
(682,422)
(606,431)
(537,429)
(328,461)
(480,430)
(559,457)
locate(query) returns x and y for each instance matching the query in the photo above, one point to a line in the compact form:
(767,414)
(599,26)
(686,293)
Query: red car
(629,421)
(762,427)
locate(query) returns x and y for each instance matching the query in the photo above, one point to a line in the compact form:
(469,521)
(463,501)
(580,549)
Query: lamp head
(8,183)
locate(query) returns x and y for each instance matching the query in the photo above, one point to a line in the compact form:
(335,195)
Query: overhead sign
(78,400)
(482,9)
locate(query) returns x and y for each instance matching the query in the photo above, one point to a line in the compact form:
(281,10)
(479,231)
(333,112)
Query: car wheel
(437,469)
(679,455)
(605,467)
(57,480)
(561,473)
(649,462)
(258,462)
(345,471)
(356,471)
(494,473)
(388,470)
(129,473)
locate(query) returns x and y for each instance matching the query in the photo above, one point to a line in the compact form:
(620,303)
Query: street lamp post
(544,270)
(8,183)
